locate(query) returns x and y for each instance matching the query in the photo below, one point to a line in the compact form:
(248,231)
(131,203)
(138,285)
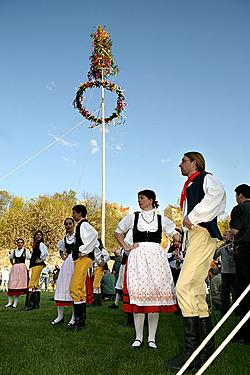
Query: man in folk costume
(37,262)
(83,255)
(202,200)
(18,280)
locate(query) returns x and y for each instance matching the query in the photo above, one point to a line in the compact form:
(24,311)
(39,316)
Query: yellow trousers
(190,287)
(98,274)
(78,281)
(35,277)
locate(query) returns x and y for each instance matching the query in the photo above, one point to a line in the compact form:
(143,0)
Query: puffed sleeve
(89,238)
(125,224)
(61,245)
(44,251)
(168,226)
(27,254)
(213,203)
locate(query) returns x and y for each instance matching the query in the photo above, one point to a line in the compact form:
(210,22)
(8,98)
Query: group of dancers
(148,283)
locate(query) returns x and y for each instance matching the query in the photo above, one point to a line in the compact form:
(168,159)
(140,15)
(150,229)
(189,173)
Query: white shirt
(148,222)
(212,205)
(44,251)
(70,238)
(19,252)
(89,238)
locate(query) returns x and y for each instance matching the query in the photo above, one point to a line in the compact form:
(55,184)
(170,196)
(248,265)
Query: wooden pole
(103,167)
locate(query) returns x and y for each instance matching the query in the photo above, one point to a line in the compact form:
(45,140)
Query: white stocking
(72,320)
(60,311)
(15,301)
(139,324)
(10,299)
(117,299)
(153,319)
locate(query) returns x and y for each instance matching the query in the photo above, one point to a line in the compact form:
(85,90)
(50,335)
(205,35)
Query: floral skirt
(148,281)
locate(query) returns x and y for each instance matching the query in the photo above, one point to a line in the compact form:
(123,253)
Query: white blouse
(147,221)
(19,252)
(44,251)
(70,238)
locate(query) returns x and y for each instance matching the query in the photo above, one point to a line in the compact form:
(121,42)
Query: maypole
(102,66)
(103,166)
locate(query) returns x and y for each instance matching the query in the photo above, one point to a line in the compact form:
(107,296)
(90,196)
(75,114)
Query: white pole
(223,344)
(214,330)
(103,168)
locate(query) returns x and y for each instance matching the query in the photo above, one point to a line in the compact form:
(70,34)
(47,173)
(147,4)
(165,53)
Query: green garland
(120,104)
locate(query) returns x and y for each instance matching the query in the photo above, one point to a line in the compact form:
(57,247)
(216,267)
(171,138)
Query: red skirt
(128,308)
(89,290)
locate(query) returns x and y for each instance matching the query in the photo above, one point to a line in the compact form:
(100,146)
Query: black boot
(30,301)
(80,317)
(191,342)
(205,328)
(37,299)
(27,300)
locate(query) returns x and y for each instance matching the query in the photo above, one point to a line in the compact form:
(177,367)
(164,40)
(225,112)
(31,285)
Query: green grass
(29,344)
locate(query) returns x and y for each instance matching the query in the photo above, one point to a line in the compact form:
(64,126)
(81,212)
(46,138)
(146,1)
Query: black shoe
(54,323)
(30,301)
(80,317)
(37,300)
(138,346)
(192,341)
(152,345)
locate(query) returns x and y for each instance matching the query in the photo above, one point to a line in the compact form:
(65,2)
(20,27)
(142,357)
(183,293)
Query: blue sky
(185,68)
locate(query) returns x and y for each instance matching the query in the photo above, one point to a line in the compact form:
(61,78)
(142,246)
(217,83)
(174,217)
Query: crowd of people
(148,280)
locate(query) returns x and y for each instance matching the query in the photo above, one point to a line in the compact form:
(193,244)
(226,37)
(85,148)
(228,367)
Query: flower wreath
(120,104)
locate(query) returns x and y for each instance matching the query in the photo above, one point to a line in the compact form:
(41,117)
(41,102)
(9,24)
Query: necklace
(148,222)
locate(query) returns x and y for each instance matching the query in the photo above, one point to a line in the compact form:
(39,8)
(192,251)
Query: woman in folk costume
(37,262)
(149,280)
(62,294)
(18,280)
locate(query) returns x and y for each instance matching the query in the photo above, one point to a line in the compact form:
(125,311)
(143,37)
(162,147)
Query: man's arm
(212,205)
(89,238)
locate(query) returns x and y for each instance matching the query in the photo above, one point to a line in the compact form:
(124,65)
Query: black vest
(69,246)
(147,236)
(78,242)
(36,255)
(20,259)
(195,194)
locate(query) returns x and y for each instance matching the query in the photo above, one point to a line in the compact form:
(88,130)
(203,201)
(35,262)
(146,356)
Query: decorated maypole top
(102,66)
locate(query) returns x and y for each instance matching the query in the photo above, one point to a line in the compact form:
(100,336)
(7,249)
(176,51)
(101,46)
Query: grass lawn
(31,345)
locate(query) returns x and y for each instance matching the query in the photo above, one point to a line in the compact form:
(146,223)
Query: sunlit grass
(31,345)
